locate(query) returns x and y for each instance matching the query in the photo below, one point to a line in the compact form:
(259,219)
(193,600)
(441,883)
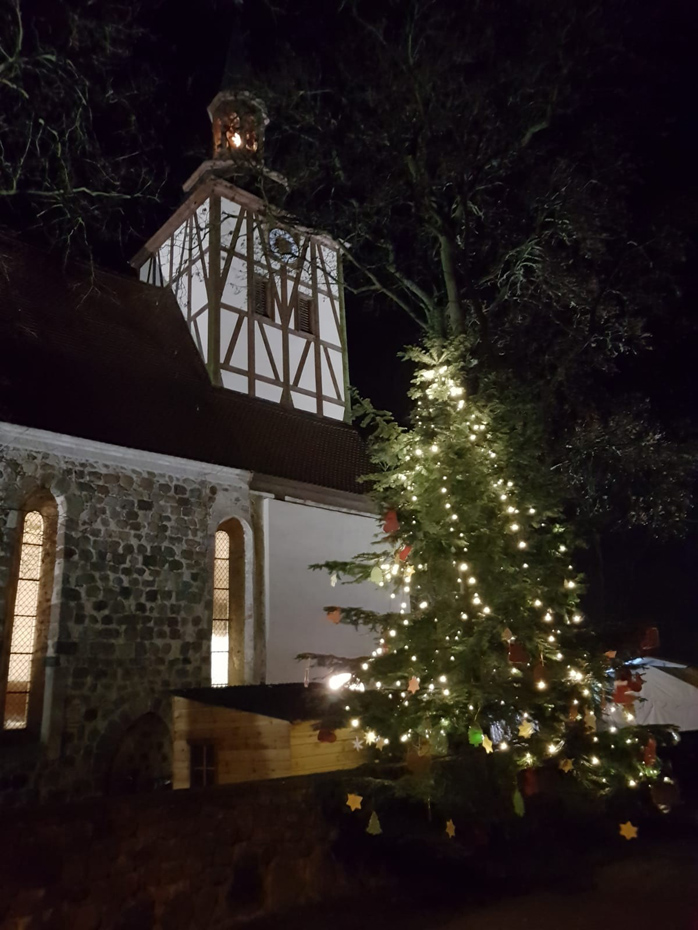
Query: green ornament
(519,806)
(475,736)
(374,825)
(376,575)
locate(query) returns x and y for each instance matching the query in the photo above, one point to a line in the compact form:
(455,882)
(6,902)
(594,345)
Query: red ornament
(635,683)
(650,753)
(404,552)
(529,782)
(391,524)
(334,615)
(326,736)
(650,639)
(517,654)
(622,694)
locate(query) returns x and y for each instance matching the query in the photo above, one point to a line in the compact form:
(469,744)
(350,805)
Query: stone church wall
(128,619)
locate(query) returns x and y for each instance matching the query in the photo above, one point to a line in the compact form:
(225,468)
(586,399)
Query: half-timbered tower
(262,296)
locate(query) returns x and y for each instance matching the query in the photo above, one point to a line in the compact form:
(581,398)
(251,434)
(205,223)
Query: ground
(642,890)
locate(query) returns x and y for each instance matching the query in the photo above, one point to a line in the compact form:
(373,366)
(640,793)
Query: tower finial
(238,117)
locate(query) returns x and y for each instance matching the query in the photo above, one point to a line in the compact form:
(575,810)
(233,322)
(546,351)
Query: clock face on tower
(283,246)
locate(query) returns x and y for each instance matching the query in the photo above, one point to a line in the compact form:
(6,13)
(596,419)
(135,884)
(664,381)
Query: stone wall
(130,609)
(178,860)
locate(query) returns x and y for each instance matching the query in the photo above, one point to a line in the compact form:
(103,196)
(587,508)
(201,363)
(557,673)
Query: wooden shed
(256,732)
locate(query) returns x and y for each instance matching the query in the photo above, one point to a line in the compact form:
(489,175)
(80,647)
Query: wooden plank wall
(252,747)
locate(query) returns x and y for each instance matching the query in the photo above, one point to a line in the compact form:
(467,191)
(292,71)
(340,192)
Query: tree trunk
(454,314)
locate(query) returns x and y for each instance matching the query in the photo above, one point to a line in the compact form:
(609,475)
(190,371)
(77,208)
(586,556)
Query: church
(175,452)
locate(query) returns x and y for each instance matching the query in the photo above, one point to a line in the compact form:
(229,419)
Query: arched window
(227,629)
(26,628)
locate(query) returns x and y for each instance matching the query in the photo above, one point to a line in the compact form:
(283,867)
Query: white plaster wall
(300,535)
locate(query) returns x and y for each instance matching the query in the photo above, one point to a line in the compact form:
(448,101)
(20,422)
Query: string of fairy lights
(457,589)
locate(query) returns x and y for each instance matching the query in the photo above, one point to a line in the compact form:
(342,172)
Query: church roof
(99,356)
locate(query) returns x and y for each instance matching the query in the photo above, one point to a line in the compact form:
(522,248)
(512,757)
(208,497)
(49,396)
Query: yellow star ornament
(354,802)
(628,830)
(526,729)
(566,765)
(413,686)
(487,744)
(450,829)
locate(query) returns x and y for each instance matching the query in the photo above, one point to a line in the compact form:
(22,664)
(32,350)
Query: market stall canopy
(669,696)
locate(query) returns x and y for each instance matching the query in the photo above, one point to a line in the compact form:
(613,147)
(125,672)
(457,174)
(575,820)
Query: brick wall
(171,860)
(130,612)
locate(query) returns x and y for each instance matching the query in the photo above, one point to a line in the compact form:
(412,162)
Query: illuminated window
(228,621)
(23,627)
(220,634)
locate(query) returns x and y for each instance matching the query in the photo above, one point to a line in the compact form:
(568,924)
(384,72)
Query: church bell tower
(262,296)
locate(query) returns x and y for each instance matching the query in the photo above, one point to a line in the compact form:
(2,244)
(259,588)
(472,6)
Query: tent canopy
(669,696)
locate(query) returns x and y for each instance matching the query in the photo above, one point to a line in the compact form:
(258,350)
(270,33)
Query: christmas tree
(485,650)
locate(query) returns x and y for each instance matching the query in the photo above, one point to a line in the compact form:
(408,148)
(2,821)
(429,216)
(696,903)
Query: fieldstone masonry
(131,605)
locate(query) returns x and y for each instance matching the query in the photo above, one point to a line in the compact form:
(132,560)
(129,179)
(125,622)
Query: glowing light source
(335,682)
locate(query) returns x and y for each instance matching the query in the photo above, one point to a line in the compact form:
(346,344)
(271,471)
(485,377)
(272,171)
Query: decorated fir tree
(485,651)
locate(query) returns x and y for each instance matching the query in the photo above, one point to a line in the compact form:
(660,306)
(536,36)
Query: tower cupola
(238,120)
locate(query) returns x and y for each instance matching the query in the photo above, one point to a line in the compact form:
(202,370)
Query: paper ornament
(413,685)
(519,806)
(370,737)
(566,765)
(517,654)
(649,756)
(475,736)
(417,761)
(358,744)
(590,720)
(526,729)
(450,829)
(374,825)
(391,524)
(487,744)
(622,694)
(404,552)
(381,743)
(529,783)
(326,736)
(507,635)
(334,615)
(628,831)
(650,639)
(354,802)
(376,575)
(333,579)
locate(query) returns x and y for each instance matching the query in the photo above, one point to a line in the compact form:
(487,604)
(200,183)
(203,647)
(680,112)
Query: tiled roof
(90,354)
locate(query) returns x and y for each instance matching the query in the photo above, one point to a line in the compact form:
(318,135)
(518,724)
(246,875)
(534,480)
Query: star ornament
(566,765)
(526,729)
(354,802)
(358,744)
(450,829)
(628,830)
(487,744)
(413,685)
